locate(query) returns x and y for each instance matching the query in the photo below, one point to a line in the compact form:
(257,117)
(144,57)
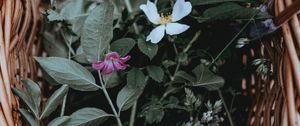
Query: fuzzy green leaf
(53,46)
(52,15)
(147,48)
(231,11)
(127,96)
(156,73)
(28,117)
(55,100)
(207,79)
(206,2)
(66,71)
(112,80)
(123,46)
(25,97)
(87,117)
(59,121)
(135,78)
(97,31)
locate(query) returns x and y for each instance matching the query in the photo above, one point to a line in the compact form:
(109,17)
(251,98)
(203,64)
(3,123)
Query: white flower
(166,22)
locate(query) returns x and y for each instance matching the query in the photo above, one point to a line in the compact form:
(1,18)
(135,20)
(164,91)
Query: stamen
(164,19)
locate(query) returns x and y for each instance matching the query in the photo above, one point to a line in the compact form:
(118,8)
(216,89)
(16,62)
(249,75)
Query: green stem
(109,100)
(196,36)
(226,108)
(62,112)
(129,8)
(133,113)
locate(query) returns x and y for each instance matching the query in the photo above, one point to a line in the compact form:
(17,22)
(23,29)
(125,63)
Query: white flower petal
(156,34)
(176,28)
(181,9)
(151,11)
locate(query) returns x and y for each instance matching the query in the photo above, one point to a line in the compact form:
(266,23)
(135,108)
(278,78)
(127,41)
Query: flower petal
(156,34)
(108,68)
(98,65)
(151,11)
(176,28)
(125,59)
(180,10)
(112,55)
(120,66)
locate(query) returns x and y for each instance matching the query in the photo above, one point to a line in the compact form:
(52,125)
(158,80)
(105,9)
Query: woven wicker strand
(20,25)
(276,100)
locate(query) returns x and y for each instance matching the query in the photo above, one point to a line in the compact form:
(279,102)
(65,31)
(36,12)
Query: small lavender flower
(112,62)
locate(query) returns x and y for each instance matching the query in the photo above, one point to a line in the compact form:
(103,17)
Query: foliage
(176,78)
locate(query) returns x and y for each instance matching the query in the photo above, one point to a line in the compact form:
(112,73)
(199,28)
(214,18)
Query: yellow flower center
(165,19)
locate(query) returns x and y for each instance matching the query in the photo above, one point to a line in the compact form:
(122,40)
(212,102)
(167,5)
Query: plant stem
(133,113)
(226,109)
(129,9)
(196,36)
(109,100)
(62,112)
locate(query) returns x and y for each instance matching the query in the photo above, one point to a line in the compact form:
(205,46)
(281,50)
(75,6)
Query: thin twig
(226,109)
(109,100)
(133,113)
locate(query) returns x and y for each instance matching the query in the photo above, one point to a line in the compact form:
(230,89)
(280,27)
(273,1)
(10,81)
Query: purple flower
(112,62)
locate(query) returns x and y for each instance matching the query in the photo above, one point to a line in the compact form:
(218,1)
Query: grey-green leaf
(59,121)
(231,11)
(156,73)
(24,96)
(87,117)
(73,8)
(127,96)
(112,80)
(207,79)
(54,16)
(206,2)
(53,46)
(66,71)
(28,117)
(147,48)
(123,45)
(97,31)
(182,76)
(55,100)
(33,91)
(135,78)
(80,56)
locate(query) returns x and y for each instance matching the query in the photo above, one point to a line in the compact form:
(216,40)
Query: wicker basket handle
(288,13)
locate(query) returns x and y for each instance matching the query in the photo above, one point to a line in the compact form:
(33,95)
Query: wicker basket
(276,100)
(19,40)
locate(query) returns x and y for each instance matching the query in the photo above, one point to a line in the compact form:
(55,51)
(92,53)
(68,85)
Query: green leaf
(59,121)
(147,48)
(127,96)
(73,8)
(206,2)
(153,111)
(123,46)
(97,31)
(66,71)
(54,101)
(156,73)
(231,11)
(53,46)
(207,79)
(34,92)
(52,15)
(28,117)
(76,27)
(135,78)
(25,97)
(112,80)
(80,56)
(182,76)
(87,117)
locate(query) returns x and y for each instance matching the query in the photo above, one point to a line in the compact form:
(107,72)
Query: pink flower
(112,61)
